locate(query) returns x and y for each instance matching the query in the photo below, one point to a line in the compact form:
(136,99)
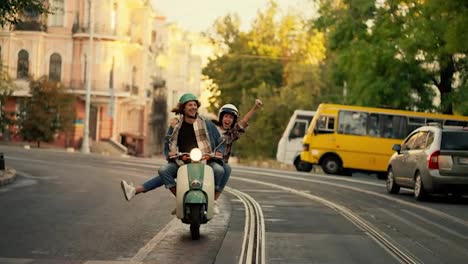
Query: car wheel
(392,187)
(331,165)
(419,191)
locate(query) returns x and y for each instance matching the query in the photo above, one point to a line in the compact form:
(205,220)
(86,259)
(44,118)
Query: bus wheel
(331,165)
(302,165)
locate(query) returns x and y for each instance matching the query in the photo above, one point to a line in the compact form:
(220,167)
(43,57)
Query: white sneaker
(128,190)
(215,208)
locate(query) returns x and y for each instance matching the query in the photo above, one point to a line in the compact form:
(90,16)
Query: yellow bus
(343,138)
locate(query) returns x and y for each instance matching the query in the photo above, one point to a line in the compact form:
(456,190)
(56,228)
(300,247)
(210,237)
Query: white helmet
(228,108)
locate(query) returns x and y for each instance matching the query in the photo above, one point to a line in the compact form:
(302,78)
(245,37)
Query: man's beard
(192,117)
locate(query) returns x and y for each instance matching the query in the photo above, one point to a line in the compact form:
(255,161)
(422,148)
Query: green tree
(238,69)
(7,87)
(278,61)
(50,110)
(10,10)
(396,49)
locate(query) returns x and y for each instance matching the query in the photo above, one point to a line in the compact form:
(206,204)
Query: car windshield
(454,140)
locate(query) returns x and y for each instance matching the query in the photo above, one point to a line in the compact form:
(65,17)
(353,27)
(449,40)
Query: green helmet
(187,97)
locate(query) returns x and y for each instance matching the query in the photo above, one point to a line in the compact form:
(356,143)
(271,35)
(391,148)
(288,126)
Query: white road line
(374,233)
(254,229)
(384,196)
(146,249)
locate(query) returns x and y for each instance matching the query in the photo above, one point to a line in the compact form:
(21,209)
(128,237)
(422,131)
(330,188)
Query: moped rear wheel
(195,220)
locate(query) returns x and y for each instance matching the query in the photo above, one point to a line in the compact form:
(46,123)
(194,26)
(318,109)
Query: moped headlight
(195,154)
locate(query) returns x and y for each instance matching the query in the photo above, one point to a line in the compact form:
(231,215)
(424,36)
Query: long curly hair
(179,109)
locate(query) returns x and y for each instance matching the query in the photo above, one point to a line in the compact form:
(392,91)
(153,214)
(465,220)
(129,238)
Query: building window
(87,13)
(55,67)
(85,69)
(153,36)
(114,18)
(58,11)
(31,14)
(134,89)
(134,72)
(23,65)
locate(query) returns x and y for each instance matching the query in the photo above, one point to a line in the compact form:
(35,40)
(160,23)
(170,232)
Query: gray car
(432,159)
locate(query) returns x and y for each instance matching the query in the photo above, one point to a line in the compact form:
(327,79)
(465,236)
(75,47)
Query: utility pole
(85,143)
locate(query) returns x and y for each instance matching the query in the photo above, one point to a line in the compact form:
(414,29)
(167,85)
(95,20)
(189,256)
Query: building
(134,68)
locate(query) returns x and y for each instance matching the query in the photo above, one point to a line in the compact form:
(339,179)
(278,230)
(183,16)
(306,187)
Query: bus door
(352,143)
(324,136)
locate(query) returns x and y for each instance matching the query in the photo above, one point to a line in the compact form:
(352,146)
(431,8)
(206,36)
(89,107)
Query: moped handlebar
(185,156)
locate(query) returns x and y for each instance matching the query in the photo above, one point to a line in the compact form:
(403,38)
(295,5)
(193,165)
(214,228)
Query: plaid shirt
(206,133)
(230,135)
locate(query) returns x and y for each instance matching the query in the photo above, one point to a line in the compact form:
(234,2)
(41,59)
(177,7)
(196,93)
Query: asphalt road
(68,208)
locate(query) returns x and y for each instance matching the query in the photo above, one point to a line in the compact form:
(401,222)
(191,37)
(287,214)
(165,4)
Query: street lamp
(85,143)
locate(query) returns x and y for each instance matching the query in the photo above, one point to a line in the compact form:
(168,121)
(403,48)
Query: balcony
(99,33)
(30,26)
(102,88)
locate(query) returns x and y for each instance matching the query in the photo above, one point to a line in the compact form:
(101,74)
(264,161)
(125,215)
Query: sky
(199,15)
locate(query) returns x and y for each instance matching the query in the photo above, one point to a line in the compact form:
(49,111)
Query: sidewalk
(7,176)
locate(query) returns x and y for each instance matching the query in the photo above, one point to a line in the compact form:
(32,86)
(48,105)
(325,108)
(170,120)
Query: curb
(7,176)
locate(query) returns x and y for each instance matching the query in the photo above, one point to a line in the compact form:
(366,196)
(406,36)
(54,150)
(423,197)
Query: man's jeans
(168,173)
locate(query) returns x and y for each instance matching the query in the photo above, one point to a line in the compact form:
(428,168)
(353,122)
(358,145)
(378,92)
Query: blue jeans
(153,183)
(168,173)
(227,174)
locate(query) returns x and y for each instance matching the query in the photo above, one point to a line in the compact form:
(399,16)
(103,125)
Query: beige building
(139,67)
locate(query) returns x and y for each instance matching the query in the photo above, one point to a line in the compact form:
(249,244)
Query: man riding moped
(193,132)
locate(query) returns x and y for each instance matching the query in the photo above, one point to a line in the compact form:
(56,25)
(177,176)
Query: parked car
(432,159)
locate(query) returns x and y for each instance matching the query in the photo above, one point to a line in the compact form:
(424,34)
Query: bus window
(373,128)
(455,123)
(401,125)
(393,126)
(326,124)
(352,123)
(415,122)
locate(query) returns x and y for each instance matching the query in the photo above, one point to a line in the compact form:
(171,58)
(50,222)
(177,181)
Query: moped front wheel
(195,220)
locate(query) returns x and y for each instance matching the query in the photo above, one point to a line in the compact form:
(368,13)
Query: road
(69,208)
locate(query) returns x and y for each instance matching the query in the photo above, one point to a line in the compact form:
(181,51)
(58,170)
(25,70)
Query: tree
(238,69)
(277,60)
(49,111)
(397,49)
(11,9)
(7,87)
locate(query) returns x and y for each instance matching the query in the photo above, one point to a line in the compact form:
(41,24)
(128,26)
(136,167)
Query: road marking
(450,231)
(384,196)
(253,244)
(373,232)
(146,249)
